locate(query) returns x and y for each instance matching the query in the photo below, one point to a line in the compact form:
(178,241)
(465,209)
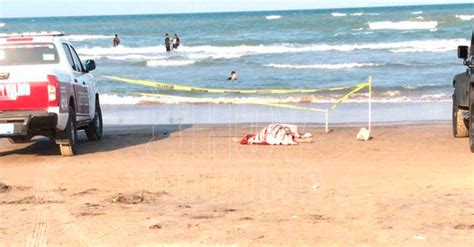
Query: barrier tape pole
(370,103)
(327,121)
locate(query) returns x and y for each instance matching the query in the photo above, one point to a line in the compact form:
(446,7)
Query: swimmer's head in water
(233,76)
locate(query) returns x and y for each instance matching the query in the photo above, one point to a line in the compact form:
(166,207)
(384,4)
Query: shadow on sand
(115,138)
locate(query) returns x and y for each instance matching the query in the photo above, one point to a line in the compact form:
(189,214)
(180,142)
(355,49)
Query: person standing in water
(116,41)
(167,42)
(176,42)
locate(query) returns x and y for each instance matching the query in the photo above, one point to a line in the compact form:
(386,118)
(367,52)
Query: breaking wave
(362,14)
(135,57)
(403,25)
(381,97)
(169,63)
(273,17)
(2,24)
(417,12)
(465,17)
(323,66)
(336,14)
(79,38)
(199,53)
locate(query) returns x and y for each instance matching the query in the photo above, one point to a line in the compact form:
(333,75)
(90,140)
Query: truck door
(87,80)
(80,87)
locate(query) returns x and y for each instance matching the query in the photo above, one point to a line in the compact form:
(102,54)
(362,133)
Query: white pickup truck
(46,90)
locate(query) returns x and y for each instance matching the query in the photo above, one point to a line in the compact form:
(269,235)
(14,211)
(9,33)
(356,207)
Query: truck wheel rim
(73,137)
(97,122)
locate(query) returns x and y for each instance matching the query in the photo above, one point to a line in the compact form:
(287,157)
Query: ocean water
(409,51)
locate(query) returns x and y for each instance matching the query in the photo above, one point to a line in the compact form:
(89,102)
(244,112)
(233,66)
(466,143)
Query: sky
(42,8)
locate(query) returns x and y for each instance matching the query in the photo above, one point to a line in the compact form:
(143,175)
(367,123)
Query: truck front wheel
(460,129)
(471,117)
(95,129)
(69,148)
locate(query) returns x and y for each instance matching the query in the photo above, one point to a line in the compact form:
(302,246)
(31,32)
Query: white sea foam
(403,25)
(199,53)
(84,37)
(87,57)
(384,97)
(465,17)
(169,63)
(111,99)
(121,50)
(336,14)
(2,24)
(323,66)
(135,57)
(362,14)
(273,17)
(417,12)
(420,18)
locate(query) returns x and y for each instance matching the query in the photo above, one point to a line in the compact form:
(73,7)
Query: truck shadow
(115,138)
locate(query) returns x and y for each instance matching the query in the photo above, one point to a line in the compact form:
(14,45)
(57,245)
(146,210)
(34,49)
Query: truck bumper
(27,123)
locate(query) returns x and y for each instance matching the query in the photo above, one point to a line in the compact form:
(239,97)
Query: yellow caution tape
(294,107)
(286,106)
(347,96)
(177,87)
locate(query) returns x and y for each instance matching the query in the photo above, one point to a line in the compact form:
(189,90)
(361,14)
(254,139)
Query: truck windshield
(28,54)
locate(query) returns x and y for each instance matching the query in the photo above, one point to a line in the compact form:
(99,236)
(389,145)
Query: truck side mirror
(90,65)
(463,52)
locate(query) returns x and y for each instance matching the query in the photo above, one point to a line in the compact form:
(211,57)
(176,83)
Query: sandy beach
(411,185)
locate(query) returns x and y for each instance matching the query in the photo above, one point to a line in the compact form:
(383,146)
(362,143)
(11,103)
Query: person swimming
(233,76)
(116,41)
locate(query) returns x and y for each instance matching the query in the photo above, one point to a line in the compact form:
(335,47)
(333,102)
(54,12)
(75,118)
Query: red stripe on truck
(14,98)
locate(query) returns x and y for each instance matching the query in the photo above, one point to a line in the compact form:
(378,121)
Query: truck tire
(69,149)
(471,117)
(19,140)
(460,129)
(95,129)
(471,129)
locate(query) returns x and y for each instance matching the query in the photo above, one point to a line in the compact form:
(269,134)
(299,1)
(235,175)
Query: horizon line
(246,11)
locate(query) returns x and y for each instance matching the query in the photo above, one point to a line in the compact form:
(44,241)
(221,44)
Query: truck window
(77,60)
(69,56)
(28,54)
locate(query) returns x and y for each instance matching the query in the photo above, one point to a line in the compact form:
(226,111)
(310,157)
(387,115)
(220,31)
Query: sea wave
(169,63)
(417,12)
(2,24)
(84,37)
(135,57)
(362,14)
(323,66)
(465,17)
(273,17)
(199,53)
(380,97)
(336,14)
(403,25)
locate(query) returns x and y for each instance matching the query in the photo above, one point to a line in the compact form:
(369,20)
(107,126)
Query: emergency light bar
(32,34)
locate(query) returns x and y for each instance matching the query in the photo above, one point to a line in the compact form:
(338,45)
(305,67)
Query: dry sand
(411,185)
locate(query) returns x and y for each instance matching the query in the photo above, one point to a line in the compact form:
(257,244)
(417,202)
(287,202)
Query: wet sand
(149,185)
